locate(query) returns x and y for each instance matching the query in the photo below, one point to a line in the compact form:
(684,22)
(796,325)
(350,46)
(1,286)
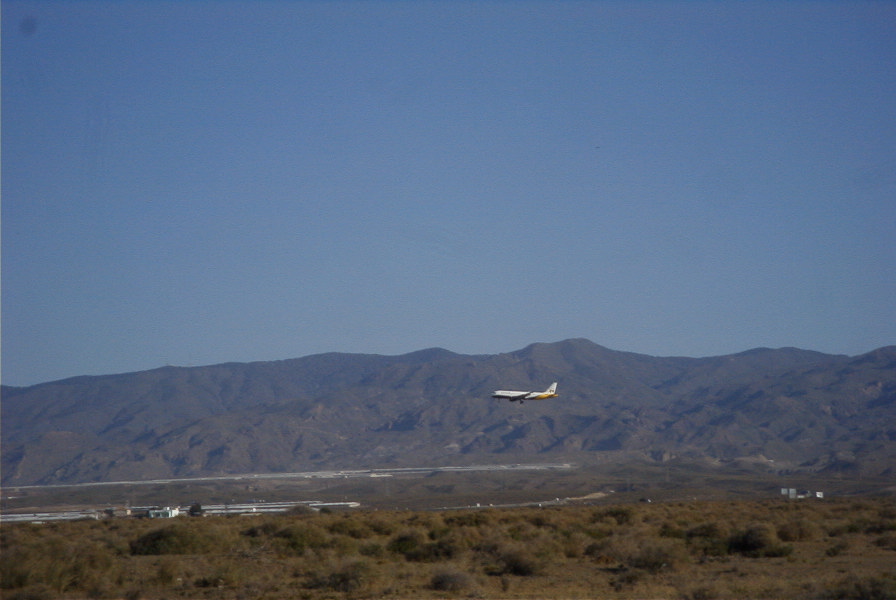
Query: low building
(163,513)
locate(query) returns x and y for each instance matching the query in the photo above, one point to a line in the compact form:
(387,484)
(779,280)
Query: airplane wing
(510,395)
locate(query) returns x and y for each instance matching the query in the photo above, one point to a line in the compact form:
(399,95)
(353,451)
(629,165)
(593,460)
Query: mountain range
(771,409)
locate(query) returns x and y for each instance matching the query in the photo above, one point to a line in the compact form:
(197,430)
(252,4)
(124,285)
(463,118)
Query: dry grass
(700,550)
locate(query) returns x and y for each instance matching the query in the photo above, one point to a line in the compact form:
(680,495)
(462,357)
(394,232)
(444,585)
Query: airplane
(514,396)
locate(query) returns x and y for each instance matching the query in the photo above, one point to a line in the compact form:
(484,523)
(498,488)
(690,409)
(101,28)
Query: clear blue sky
(198,182)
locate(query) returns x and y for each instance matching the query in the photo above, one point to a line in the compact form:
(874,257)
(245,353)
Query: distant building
(792,494)
(163,513)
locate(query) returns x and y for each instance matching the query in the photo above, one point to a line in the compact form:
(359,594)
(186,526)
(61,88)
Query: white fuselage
(519,396)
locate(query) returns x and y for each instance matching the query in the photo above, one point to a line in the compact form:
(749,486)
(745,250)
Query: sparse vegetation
(690,550)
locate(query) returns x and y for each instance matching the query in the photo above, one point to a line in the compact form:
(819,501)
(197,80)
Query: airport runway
(262,507)
(341,474)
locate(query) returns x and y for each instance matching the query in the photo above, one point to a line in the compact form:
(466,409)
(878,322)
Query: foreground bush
(857,588)
(759,539)
(346,576)
(452,580)
(183,537)
(691,550)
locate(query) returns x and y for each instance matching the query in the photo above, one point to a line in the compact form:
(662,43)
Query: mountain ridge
(791,408)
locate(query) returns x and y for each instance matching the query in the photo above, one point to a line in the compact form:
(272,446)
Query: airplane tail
(552,389)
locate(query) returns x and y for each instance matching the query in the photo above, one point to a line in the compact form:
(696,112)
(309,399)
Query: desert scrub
(59,563)
(407,543)
(853,587)
(346,576)
(799,530)
(837,549)
(517,559)
(655,555)
(297,538)
(693,550)
(453,580)
(671,530)
(475,519)
(573,543)
(758,540)
(615,515)
(499,556)
(185,537)
(708,539)
(419,546)
(226,572)
(651,554)
(887,540)
(351,527)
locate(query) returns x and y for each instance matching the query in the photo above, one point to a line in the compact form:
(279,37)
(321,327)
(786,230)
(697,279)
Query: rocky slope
(778,409)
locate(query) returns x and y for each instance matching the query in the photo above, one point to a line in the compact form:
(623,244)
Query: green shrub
(888,540)
(799,530)
(167,570)
(881,526)
(407,543)
(657,555)
(40,591)
(299,537)
(372,549)
(60,563)
(265,529)
(478,518)
(838,548)
(572,544)
(347,577)
(856,588)
(224,573)
(351,527)
(626,578)
(190,537)
(669,530)
(595,550)
(759,539)
(517,560)
(452,580)
(442,549)
(380,525)
(701,592)
(708,539)
(710,530)
(619,515)
(501,557)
